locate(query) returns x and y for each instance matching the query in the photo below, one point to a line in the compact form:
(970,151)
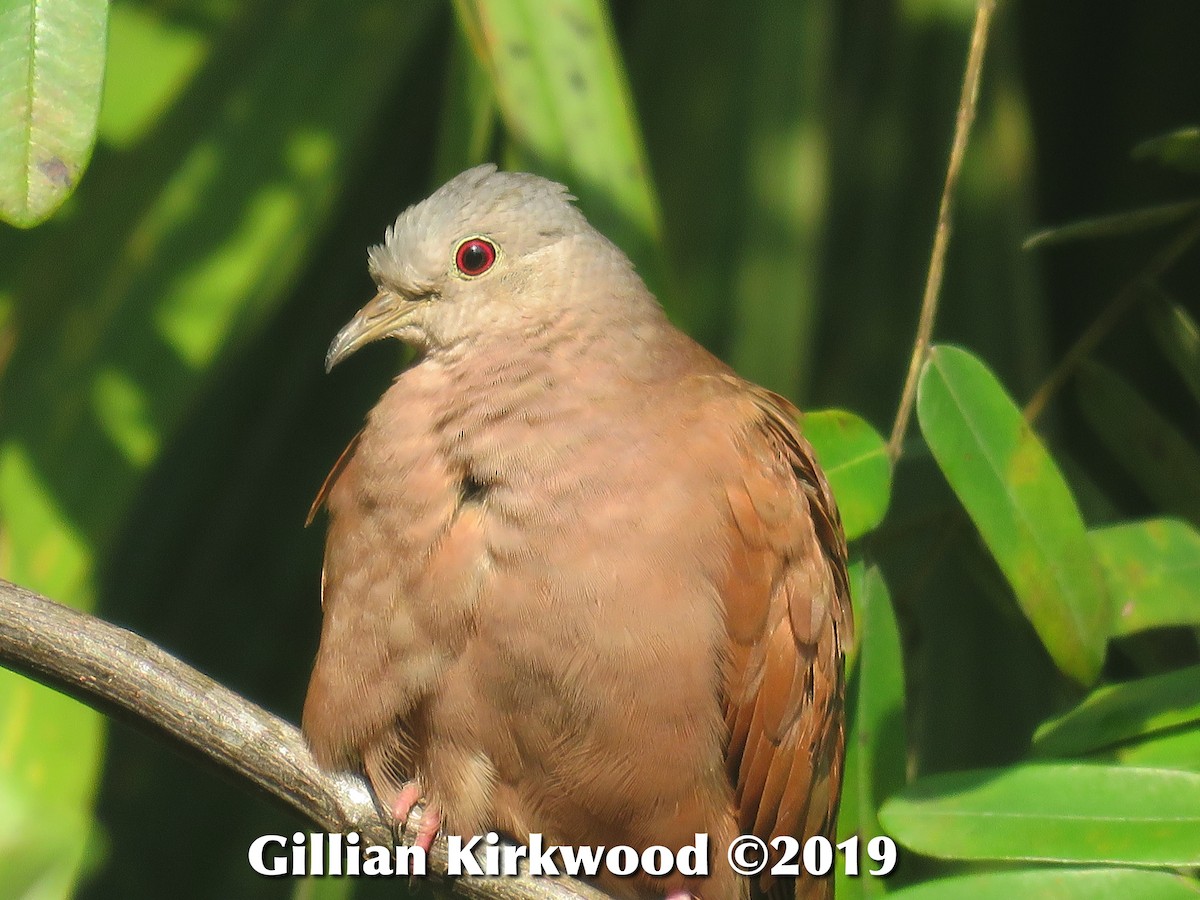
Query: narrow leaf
(1164,464)
(875,742)
(855,460)
(1178,149)
(1113,225)
(1153,572)
(566,104)
(1057,884)
(1055,813)
(1121,712)
(1179,336)
(51,75)
(1021,505)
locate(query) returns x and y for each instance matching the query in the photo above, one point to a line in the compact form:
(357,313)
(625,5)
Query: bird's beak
(376,320)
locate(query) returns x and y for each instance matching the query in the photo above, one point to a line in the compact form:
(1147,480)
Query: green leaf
(324,887)
(1179,336)
(875,741)
(784,181)
(1113,225)
(1153,571)
(854,457)
(1121,712)
(1055,813)
(1057,884)
(182,259)
(153,60)
(565,103)
(1021,505)
(1162,461)
(1172,750)
(468,123)
(38,853)
(1178,149)
(51,73)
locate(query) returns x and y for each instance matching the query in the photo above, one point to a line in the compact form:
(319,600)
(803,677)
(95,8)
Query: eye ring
(475,256)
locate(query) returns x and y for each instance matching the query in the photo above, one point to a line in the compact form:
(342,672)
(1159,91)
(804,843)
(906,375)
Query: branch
(967,103)
(121,673)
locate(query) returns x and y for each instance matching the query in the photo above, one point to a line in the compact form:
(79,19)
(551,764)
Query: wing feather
(787,603)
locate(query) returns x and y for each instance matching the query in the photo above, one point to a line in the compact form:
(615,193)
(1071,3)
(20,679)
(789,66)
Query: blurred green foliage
(1027,595)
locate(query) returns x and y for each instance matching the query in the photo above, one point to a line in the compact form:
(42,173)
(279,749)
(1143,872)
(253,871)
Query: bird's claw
(426,826)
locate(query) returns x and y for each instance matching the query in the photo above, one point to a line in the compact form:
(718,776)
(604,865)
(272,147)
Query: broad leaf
(1055,813)
(51,75)
(1057,884)
(1153,572)
(875,741)
(1021,505)
(855,460)
(1171,750)
(1121,712)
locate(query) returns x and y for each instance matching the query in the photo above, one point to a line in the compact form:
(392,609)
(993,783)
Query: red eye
(475,256)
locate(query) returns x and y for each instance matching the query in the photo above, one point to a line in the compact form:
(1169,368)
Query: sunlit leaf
(51,74)
(38,852)
(1055,813)
(875,742)
(1170,750)
(855,460)
(1153,452)
(1055,883)
(565,103)
(1153,571)
(181,260)
(1021,505)
(154,59)
(1120,712)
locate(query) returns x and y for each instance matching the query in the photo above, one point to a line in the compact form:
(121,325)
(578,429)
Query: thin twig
(1123,301)
(967,103)
(121,673)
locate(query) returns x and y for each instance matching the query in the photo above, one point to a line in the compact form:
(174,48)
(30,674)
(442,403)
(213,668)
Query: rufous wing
(787,604)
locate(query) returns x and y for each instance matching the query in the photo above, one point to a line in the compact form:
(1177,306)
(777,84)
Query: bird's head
(484,251)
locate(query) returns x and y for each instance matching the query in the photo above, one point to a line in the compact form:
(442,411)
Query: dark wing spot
(471,490)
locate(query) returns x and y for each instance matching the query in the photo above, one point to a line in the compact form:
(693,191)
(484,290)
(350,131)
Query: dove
(580,579)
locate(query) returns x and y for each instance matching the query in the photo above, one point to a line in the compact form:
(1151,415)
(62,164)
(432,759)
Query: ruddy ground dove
(580,578)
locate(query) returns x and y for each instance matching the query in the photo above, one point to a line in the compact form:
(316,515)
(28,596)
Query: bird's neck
(488,403)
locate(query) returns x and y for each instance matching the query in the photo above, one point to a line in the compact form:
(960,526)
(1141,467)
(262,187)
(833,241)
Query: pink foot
(427,825)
